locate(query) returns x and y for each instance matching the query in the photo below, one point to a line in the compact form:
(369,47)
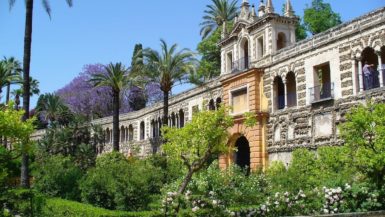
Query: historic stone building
(299,91)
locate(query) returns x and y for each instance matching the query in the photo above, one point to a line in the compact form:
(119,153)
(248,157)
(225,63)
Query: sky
(104,31)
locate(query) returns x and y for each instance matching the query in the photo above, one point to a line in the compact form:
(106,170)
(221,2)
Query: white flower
(215,202)
(347,186)
(303,195)
(335,209)
(169,199)
(232,213)
(286,193)
(263,207)
(211,193)
(194,209)
(326,211)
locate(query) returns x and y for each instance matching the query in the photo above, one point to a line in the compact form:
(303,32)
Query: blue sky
(101,31)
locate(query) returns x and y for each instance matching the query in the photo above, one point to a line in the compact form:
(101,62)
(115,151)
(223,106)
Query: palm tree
(24,177)
(7,76)
(116,77)
(14,67)
(53,109)
(168,67)
(34,90)
(216,14)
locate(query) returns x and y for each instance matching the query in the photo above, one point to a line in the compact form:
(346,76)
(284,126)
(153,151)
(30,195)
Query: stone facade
(299,91)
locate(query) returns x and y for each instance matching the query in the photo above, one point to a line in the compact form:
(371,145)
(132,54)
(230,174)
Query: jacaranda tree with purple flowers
(95,102)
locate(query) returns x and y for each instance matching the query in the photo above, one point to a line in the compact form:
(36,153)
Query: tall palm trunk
(115,121)
(24,177)
(165,108)
(7,94)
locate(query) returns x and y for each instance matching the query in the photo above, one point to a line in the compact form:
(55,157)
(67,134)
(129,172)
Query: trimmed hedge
(65,208)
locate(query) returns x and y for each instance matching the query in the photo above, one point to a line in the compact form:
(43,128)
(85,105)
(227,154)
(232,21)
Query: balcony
(240,65)
(322,92)
(373,80)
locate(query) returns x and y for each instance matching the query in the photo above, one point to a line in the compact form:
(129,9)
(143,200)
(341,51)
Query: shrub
(120,183)
(58,176)
(64,208)
(24,202)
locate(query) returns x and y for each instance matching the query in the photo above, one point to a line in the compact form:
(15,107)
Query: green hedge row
(60,208)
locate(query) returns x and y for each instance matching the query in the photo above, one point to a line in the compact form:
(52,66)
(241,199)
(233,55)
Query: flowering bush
(190,205)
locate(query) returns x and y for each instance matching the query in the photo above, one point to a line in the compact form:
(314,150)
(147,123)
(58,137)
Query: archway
(181,118)
(130,133)
(242,156)
(211,105)
(279,93)
(370,74)
(244,61)
(291,90)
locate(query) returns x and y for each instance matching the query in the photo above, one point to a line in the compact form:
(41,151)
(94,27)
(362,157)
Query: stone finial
(269,7)
(288,9)
(236,19)
(253,13)
(261,9)
(245,10)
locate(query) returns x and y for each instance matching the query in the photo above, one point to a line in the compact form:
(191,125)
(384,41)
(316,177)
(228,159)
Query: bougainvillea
(84,99)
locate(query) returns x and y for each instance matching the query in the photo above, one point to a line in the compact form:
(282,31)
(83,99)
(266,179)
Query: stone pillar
(286,95)
(272,96)
(361,82)
(354,73)
(381,78)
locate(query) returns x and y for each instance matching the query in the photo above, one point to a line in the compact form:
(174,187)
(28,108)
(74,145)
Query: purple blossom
(94,102)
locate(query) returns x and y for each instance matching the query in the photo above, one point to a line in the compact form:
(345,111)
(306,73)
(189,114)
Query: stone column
(354,73)
(381,78)
(286,95)
(272,96)
(361,82)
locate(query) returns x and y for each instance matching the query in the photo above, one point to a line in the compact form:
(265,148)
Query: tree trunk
(115,121)
(7,95)
(165,108)
(185,182)
(24,177)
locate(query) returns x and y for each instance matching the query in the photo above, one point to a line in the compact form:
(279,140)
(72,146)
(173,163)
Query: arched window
(142,130)
(211,105)
(130,133)
(181,118)
(159,126)
(382,66)
(173,119)
(281,40)
(279,93)
(218,102)
(126,139)
(122,134)
(244,61)
(291,90)
(108,136)
(153,130)
(370,74)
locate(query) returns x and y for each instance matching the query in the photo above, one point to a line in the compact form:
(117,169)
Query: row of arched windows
(126,134)
(214,105)
(368,73)
(284,91)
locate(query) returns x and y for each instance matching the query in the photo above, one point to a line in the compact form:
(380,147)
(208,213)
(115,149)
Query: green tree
(14,68)
(34,90)
(364,134)
(300,28)
(26,72)
(210,63)
(7,76)
(117,78)
(320,17)
(205,136)
(216,14)
(168,67)
(53,109)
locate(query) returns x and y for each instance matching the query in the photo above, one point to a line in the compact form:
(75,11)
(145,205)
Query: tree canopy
(320,17)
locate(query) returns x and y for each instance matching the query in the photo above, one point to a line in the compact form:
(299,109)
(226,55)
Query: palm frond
(47,7)
(11,4)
